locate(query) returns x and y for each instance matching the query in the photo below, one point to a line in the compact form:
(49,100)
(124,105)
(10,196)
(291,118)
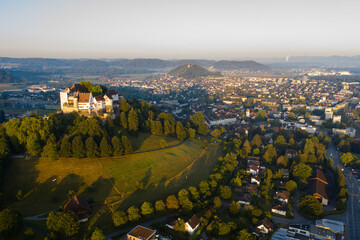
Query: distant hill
(6,77)
(236,65)
(191,71)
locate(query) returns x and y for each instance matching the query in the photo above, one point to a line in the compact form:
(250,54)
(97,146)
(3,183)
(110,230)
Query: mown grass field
(116,182)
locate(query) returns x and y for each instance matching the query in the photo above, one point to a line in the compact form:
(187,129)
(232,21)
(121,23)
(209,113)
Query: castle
(79,99)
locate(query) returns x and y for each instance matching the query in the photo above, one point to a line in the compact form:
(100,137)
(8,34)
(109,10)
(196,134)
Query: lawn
(147,141)
(119,182)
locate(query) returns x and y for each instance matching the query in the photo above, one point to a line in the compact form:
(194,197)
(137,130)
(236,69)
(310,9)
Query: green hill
(6,77)
(191,71)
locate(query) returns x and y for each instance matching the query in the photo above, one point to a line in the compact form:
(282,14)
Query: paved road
(352,216)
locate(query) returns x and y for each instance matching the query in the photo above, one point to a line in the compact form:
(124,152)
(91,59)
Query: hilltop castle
(79,99)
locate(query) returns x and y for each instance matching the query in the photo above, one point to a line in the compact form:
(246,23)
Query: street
(352,216)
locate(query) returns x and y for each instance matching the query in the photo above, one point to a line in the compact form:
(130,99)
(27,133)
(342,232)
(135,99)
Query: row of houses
(79,99)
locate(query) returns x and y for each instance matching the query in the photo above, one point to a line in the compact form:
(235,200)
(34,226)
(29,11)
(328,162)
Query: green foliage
(261,115)
(156,128)
(78,148)
(29,233)
(204,188)
(147,209)
(160,206)
(105,148)
(217,202)
(310,206)
(133,120)
(302,172)
(216,133)
(127,145)
(180,131)
(256,141)
(347,158)
(172,202)
(92,149)
(234,208)
(194,193)
(270,153)
(63,222)
(244,235)
(291,185)
(10,222)
(225,192)
(192,132)
(50,149)
(97,234)
(118,146)
(119,218)
(33,145)
(198,120)
(133,213)
(65,149)
(180,225)
(123,120)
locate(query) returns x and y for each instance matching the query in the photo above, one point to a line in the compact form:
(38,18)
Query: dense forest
(192,71)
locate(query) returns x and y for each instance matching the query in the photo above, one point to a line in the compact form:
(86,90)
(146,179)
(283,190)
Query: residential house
(291,153)
(265,226)
(79,206)
(255,179)
(318,185)
(280,209)
(140,233)
(192,224)
(282,196)
(245,198)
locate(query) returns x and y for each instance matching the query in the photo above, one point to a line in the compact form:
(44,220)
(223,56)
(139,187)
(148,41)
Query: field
(112,182)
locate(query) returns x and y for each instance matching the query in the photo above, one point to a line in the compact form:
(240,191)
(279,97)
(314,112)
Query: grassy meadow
(107,183)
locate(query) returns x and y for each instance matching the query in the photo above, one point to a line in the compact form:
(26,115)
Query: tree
(133,213)
(204,188)
(216,133)
(10,222)
(124,106)
(63,222)
(156,128)
(105,148)
(234,208)
(118,146)
(310,206)
(78,147)
(50,149)
(180,131)
(184,201)
(123,120)
(127,145)
(302,171)
(65,149)
(291,185)
(159,206)
(309,147)
(347,158)
(244,235)
(203,129)
(270,153)
(291,115)
(192,133)
(247,146)
(33,145)
(225,192)
(194,193)
(172,202)
(92,149)
(119,218)
(147,209)
(217,202)
(97,234)
(256,141)
(180,225)
(261,115)
(133,120)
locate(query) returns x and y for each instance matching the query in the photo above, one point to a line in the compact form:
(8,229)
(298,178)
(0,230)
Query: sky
(170,29)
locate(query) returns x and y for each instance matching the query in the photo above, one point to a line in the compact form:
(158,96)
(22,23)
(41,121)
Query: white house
(192,224)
